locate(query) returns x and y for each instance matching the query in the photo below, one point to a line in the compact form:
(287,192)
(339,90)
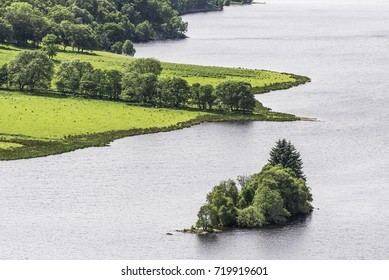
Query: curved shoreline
(33,148)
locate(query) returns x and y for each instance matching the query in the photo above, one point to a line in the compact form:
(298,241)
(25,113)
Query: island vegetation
(274,196)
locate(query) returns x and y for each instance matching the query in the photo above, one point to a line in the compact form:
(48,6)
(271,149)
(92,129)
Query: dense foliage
(272,196)
(96,24)
(286,155)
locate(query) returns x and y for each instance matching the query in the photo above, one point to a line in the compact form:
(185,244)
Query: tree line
(95,24)
(139,83)
(276,194)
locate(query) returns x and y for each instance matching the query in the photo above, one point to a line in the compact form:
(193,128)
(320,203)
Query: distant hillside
(96,24)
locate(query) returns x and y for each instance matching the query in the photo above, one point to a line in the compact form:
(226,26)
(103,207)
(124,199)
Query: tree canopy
(32,69)
(286,155)
(90,24)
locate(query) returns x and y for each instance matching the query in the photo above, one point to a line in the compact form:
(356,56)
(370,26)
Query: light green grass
(44,117)
(9,145)
(34,126)
(192,73)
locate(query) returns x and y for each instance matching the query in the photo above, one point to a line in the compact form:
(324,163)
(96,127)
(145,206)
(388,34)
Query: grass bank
(33,125)
(262,80)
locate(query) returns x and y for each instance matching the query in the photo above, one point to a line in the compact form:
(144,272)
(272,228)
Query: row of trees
(273,196)
(140,83)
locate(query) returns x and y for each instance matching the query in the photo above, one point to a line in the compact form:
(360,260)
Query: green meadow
(35,125)
(192,73)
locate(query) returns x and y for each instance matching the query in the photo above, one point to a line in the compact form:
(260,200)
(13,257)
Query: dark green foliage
(117,48)
(271,204)
(207,217)
(146,65)
(113,84)
(70,74)
(3,75)
(139,87)
(191,6)
(6,31)
(109,33)
(250,217)
(173,92)
(128,48)
(285,154)
(95,23)
(236,96)
(92,83)
(31,69)
(220,209)
(292,189)
(195,95)
(49,45)
(144,32)
(78,77)
(83,38)
(203,97)
(27,23)
(272,196)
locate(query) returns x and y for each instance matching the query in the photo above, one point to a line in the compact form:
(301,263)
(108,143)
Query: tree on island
(272,196)
(285,154)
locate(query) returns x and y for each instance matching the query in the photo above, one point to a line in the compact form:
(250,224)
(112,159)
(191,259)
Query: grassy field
(41,125)
(192,73)
(48,118)
(34,126)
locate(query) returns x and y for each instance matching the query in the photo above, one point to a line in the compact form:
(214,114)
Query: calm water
(120,201)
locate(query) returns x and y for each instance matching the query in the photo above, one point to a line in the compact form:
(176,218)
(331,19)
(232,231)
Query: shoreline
(33,148)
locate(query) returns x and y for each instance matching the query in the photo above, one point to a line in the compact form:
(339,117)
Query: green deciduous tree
(271,205)
(251,217)
(139,87)
(144,32)
(146,65)
(3,75)
(6,31)
(117,48)
(28,23)
(70,73)
(32,69)
(109,33)
(236,95)
(114,84)
(174,92)
(207,217)
(83,37)
(128,49)
(49,45)
(293,190)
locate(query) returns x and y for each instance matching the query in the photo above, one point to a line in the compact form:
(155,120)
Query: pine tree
(285,154)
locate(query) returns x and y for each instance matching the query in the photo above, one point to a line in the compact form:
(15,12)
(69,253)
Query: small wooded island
(276,194)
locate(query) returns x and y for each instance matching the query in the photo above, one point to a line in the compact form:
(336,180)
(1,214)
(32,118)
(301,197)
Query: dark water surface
(119,202)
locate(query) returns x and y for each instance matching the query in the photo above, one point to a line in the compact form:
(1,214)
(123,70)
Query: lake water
(119,202)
